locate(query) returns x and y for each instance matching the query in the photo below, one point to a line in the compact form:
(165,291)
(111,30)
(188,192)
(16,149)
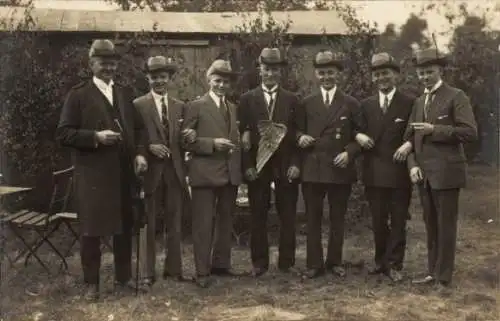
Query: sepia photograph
(249,160)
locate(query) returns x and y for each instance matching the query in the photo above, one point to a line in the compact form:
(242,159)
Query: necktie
(428,101)
(223,108)
(327,100)
(270,104)
(164,115)
(386,104)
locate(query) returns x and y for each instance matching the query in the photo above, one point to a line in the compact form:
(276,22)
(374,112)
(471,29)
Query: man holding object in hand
(165,184)
(442,121)
(99,122)
(270,102)
(214,172)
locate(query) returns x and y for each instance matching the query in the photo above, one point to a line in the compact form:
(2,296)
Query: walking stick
(140,214)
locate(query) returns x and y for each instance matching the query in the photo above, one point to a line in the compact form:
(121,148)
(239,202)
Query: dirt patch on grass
(28,294)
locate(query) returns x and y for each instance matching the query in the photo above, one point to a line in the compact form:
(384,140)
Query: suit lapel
(104,106)
(318,107)
(387,118)
(155,116)
(213,110)
(336,106)
(173,116)
(374,116)
(261,102)
(438,101)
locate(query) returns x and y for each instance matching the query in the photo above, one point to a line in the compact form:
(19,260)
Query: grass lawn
(359,297)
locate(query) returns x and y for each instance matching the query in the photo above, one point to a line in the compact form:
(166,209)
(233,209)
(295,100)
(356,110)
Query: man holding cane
(99,122)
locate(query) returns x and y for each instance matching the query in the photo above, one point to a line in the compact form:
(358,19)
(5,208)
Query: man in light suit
(270,101)
(214,172)
(327,123)
(385,176)
(164,183)
(442,121)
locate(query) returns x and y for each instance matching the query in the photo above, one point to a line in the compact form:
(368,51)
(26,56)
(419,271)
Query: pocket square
(442,117)
(343,118)
(398,120)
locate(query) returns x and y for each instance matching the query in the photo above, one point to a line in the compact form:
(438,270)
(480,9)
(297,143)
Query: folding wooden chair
(44,224)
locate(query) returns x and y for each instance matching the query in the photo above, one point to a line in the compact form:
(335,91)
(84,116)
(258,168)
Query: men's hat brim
(170,68)
(386,65)
(441,61)
(338,64)
(262,61)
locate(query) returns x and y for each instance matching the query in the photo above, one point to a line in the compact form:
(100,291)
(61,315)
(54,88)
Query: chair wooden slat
(26,218)
(12,216)
(67,215)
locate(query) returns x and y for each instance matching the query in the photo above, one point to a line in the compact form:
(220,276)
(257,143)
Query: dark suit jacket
(387,130)
(101,193)
(155,134)
(252,109)
(334,129)
(441,155)
(209,167)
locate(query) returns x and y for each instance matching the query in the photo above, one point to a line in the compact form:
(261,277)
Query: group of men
(403,141)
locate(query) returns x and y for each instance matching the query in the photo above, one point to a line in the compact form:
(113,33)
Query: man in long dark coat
(99,122)
(385,176)
(327,123)
(270,102)
(442,121)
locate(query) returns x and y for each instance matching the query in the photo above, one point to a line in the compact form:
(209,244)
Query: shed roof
(302,22)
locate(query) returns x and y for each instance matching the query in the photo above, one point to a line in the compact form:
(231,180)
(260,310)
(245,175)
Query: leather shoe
(378,269)
(394,275)
(225,272)
(429,279)
(203,281)
(339,271)
(290,270)
(122,287)
(91,293)
(258,271)
(314,273)
(178,278)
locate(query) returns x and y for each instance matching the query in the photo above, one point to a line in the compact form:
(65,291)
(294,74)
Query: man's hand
(402,152)
(245,141)
(223,144)
(189,135)
(108,137)
(251,174)
(424,128)
(305,141)
(342,160)
(364,141)
(140,164)
(159,150)
(292,173)
(416,175)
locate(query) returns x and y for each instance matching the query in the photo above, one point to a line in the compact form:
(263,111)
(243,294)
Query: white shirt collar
(390,95)
(102,85)
(273,90)
(158,96)
(434,88)
(331,93)
(215,98)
